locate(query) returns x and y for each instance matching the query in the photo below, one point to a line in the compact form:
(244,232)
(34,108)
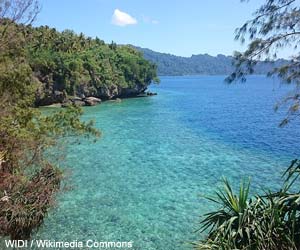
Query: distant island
(202,64)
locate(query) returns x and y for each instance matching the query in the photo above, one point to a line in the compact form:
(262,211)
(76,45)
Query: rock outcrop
(111,92)
(88,96)
(91,101)
(48,97)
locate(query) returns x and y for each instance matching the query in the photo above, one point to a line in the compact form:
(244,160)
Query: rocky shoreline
(87,95)
(91,100)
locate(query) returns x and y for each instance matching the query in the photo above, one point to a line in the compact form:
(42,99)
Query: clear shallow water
(143,179)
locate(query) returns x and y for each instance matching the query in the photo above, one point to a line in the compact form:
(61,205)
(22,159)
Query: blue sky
(180,27)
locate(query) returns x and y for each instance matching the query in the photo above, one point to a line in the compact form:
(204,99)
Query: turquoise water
(143,180)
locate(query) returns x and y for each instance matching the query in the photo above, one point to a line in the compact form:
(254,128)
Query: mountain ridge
(200,64)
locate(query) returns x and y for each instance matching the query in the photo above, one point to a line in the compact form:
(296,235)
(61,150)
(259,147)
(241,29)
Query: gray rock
(49,97)
(90,95)
(75,98)
(91,101)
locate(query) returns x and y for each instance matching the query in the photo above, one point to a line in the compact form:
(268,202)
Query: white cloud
(121,18)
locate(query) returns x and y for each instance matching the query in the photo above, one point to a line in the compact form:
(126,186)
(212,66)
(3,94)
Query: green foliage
(15,73)
(269,221)
(275,26)
(76,64)
(29,176)
(34,64)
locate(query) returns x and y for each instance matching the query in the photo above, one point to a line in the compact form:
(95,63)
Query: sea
(146,180)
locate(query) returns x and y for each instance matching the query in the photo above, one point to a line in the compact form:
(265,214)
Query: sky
(180,27)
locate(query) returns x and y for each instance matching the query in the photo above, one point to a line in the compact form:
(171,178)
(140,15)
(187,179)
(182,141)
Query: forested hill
(67,66)
(202,64)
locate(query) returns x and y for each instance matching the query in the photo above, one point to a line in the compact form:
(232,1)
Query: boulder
(77,101)
(91,101)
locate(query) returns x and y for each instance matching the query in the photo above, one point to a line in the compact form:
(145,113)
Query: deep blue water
(143,180)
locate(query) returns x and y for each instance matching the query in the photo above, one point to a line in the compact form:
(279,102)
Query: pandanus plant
(268,221)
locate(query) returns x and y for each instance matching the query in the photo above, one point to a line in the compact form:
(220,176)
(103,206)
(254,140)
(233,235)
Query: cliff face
(113,91)
(48,96)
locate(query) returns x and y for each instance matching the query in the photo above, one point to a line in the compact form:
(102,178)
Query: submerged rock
(151,93)
(116,100)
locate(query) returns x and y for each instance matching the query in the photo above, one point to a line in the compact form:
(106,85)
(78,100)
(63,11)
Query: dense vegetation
(30,176)
(66,64)
(171,65)
(269,221)
(42,66)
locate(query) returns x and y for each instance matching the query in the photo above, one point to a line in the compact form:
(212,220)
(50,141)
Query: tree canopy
(78,65)
(275,26)
(29,177)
